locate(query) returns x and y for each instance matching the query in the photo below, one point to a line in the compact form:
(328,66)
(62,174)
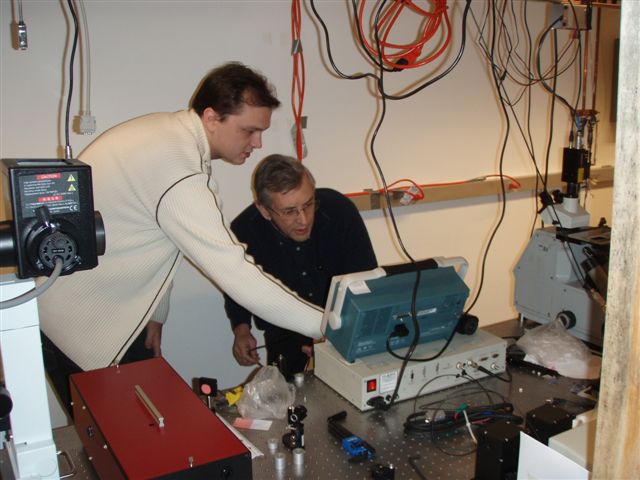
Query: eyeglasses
(293,212)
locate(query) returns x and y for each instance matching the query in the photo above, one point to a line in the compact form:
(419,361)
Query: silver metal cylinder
(298,456)
(281,461)
(272,444)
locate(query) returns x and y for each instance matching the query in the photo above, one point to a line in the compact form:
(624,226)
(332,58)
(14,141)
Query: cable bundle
(402,56)
(451,420)
(298,80)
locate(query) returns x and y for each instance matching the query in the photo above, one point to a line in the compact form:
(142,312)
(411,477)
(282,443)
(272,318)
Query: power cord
(491,374)
(453,419)
(35,292)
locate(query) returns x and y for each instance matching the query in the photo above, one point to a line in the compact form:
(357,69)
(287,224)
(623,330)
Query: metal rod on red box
(146,401)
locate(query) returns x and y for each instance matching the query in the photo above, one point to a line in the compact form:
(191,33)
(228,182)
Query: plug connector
(87,124)
(294,137)
(21,31)
(400,330)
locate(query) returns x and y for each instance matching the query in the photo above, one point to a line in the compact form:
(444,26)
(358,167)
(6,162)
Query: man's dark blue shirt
(338,244)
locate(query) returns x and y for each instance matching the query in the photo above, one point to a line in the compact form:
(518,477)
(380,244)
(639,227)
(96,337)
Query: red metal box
(121,433)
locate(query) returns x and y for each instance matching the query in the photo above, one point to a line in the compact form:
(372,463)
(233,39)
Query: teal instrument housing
(371,313)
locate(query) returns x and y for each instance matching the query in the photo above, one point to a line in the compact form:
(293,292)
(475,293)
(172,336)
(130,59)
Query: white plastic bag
(267,395)
(551,346)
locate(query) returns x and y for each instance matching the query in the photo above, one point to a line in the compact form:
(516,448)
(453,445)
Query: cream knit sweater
(158,201)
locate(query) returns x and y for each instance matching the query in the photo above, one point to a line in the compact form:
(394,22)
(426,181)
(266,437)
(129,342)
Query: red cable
(420,195)
(416,196)
(409,52)
(298,81)
(514,183)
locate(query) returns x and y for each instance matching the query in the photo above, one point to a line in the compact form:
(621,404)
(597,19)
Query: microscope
(563,271)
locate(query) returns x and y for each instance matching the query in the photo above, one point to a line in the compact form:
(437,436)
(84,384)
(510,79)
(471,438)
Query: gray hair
(278,174)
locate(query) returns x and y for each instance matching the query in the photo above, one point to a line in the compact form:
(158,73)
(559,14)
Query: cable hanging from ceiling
(298,80)
(434,28)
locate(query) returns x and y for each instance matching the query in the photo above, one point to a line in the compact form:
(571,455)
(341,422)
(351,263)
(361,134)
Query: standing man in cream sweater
(155,191)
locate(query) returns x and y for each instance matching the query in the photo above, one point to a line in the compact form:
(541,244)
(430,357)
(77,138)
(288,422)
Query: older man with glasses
(303,236)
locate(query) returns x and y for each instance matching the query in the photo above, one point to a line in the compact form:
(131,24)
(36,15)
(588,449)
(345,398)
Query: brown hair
(229,86)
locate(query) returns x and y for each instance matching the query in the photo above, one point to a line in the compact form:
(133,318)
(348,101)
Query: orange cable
(513,185)
(298,81)
(409,52)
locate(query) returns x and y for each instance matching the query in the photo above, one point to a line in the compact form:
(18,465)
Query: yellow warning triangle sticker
(71,188)
(71,178)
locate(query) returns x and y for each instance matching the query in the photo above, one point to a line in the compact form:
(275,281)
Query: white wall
(150,55)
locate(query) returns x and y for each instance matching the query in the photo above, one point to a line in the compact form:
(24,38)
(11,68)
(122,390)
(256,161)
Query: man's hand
(154,337)
(244,345)
(308,349)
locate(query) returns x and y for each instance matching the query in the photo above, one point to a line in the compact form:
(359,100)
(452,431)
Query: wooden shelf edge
(600,177)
